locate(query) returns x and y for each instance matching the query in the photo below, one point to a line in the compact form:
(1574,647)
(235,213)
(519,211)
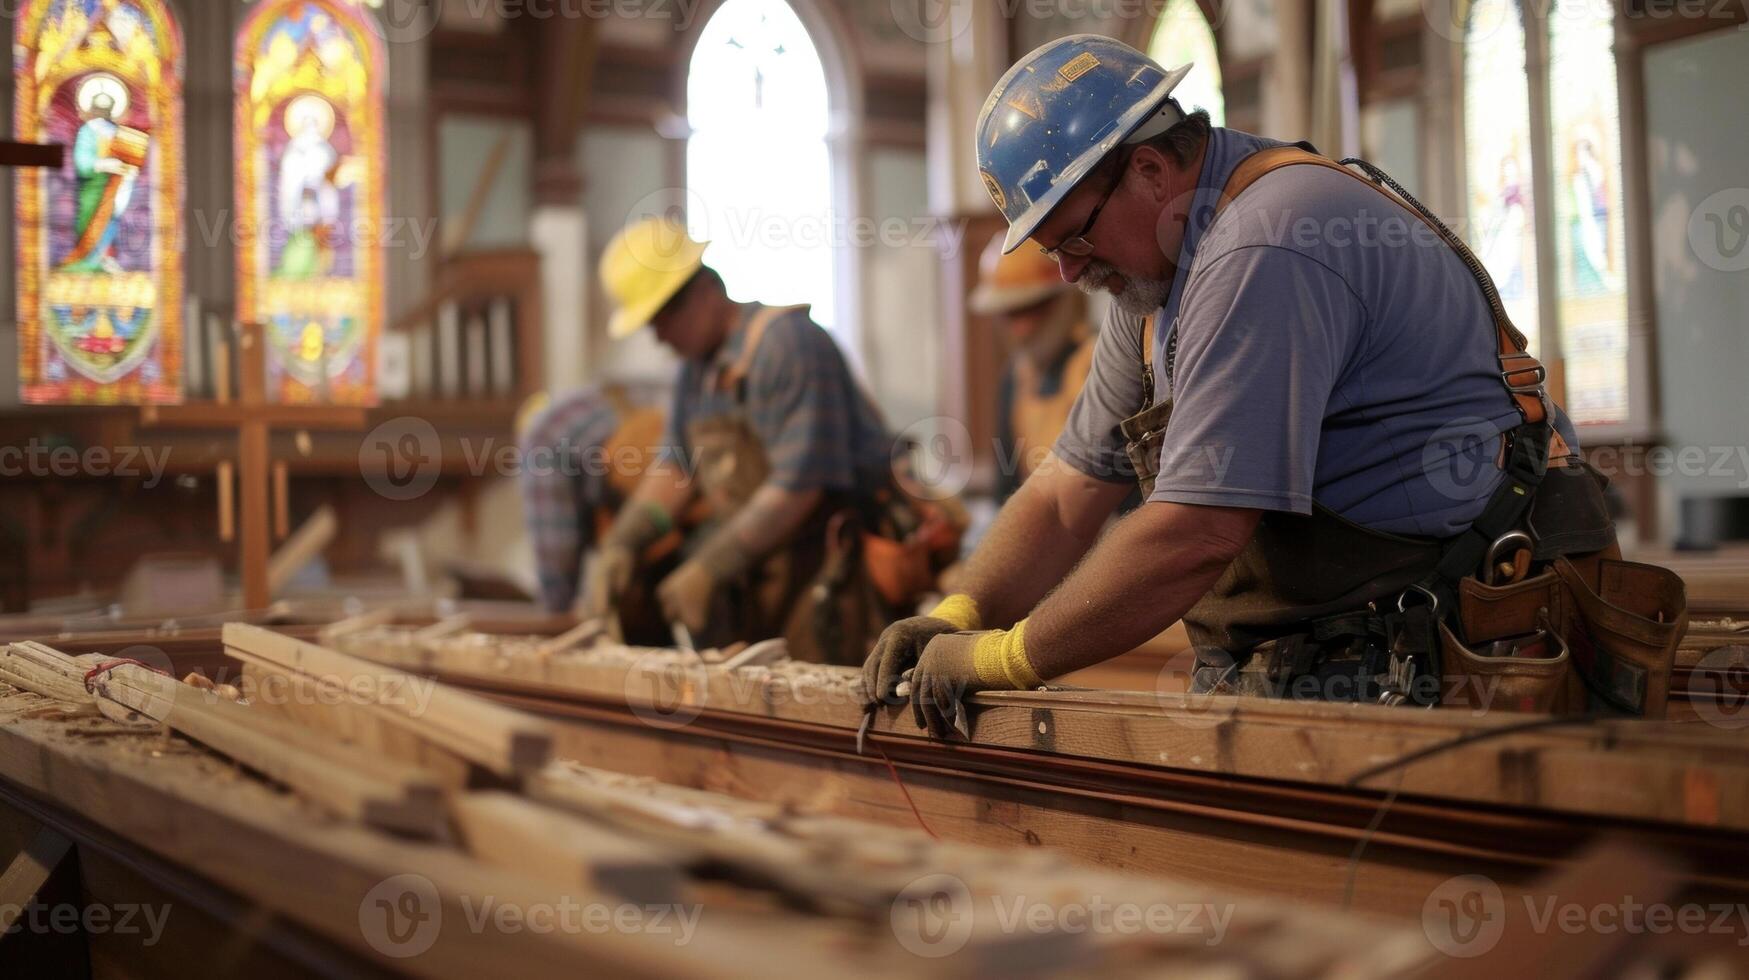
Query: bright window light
(759,177)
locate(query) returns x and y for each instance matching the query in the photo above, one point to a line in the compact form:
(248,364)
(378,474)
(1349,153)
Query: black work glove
(898,650)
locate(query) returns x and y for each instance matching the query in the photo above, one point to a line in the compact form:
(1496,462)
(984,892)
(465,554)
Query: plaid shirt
(819,430)
(564,482)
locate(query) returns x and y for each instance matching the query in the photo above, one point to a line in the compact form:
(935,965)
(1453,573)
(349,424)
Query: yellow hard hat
(643,267)
(1014,281)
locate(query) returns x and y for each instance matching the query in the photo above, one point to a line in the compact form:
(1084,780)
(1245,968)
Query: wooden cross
(32,154)
(254,418)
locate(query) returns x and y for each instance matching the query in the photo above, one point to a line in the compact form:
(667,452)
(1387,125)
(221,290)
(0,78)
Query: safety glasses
(1076,245)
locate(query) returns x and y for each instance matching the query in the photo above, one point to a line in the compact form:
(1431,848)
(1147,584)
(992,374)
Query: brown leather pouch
(1623,622)
(1526,673)
(1490,612)
(1144,435)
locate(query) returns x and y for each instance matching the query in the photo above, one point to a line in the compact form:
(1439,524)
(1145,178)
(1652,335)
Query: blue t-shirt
(1330,348)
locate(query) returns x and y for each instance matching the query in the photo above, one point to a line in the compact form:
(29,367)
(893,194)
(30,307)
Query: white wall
(1697,146)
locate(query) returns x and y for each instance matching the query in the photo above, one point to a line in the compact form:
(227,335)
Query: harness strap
(1522,374)
(736,373)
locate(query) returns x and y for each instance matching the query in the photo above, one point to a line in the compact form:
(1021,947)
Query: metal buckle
(1519,538)
(1542,375)
(1432,600)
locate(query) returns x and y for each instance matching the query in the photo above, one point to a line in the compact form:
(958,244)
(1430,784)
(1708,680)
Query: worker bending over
(1334,432)
(805,533)
(583,454)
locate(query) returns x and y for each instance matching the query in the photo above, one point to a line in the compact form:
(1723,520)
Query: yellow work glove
(901,644)
(954,665)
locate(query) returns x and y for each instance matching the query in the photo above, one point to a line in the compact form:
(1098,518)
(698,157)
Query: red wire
(109,665)
(901,784)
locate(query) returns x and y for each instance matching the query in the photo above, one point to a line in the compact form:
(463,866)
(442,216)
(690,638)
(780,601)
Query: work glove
(901,644)
(954,665)
(635,527)
(610,575)
(686,594)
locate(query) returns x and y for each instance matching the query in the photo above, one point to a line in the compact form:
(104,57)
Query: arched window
(1498,156)
(1589,237)
(309,131)
(1579,160)
(758,166)
(99,239)
(1183,36)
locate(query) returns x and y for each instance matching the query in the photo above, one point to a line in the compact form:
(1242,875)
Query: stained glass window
(758,168)
(1589,238)
(1502,227)
(1183,36)
(309,78)
(100,238)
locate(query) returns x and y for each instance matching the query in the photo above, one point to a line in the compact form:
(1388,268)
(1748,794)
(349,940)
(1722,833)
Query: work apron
(1317,607)
(816,591)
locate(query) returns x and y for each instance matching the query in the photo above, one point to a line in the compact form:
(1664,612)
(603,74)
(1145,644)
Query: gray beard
(1139,297)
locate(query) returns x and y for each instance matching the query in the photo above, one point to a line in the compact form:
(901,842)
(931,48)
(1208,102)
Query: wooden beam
(332,878)
(28,872)
(1625,768)
(50,155)
(347,781)
(513,833)
(508,743)
(312,538)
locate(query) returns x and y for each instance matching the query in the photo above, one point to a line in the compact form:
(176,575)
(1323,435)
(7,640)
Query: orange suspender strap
(732,376)
(1521,373)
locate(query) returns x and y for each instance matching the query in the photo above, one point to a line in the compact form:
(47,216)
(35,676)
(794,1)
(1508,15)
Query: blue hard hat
(1056,114)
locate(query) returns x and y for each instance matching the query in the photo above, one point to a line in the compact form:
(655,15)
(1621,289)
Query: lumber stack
(1256,795)
(769,890)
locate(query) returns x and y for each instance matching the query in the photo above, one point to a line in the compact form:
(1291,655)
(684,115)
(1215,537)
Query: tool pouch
(1509,656)
(1528,671)
(1623,621)
(1144,435)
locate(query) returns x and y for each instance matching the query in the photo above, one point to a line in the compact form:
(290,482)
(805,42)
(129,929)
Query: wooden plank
(514,833)
(328,877)
(28,871)
(1651,763)
(508,743)
(351,783)
(352,624)
(312,538)
(304,702)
